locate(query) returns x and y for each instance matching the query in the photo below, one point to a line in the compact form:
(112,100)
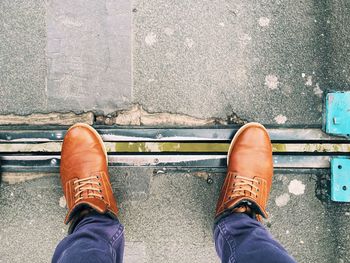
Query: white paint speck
(303,75)
(264,21)
(317,90)
(151,80)
(189,42)
(282,200)
(169,31)
(62,202)
(271,81)
(301,242)
(151,39)
(222,24)
(308,81)
(280,119)
(347,213)
(296,187)
(11,194)
(287,232)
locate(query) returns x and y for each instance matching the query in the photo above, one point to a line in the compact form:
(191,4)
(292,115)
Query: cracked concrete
(137,116)
(205,59)
(88,54)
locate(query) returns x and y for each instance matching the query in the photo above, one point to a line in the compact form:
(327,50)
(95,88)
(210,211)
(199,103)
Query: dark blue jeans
(238,238)
(96,238)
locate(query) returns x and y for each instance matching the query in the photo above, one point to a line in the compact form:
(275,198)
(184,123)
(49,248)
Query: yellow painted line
(156,147)
(168,147)
(311,147)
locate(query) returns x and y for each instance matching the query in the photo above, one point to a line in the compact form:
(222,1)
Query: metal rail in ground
(37,149)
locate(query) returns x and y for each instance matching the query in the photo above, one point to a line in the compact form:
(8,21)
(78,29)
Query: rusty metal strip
(38,148)
(176,147)
(44,163)
(114,134)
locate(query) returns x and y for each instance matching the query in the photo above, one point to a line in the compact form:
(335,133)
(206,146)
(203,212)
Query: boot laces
(243,185)
(89,186)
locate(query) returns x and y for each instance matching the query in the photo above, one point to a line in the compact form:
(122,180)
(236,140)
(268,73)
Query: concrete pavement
(168,217)
(267,61)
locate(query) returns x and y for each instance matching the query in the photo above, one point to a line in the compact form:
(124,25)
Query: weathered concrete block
(88,54)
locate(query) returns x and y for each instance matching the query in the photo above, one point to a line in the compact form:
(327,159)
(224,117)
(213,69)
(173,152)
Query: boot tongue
(242,209)
(95,203)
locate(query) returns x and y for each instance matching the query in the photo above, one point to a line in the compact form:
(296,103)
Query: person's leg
(239,236)
(96,238)
(95,234)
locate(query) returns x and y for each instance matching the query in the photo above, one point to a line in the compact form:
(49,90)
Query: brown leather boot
(84,173)
(249,173)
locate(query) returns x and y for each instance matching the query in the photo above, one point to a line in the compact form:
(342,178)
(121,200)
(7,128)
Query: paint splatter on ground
(282,200)
(280,119)
(271,81)
(296,187)
(62,202)
(264,21)
(151,39)
(317,90)
(308,81)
